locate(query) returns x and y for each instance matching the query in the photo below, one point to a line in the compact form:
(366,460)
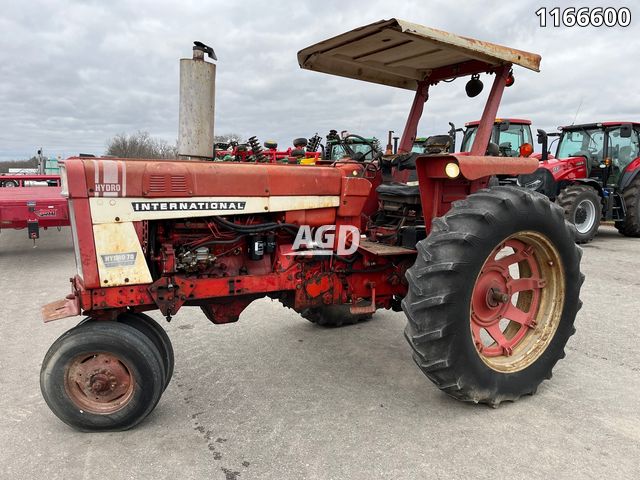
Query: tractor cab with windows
(510,137)
(594,175)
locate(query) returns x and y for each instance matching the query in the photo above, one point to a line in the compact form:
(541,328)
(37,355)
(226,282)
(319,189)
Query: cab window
(622,151)
(586,142)
(511,139)
(468,138)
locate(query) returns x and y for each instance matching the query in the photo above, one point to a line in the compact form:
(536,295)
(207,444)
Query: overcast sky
(75,73)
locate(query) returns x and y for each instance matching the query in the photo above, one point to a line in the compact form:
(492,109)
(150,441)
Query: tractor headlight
(452,170)
(527,181)
(540,181)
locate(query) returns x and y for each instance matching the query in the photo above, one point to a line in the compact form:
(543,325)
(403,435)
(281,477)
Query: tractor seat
(399,192)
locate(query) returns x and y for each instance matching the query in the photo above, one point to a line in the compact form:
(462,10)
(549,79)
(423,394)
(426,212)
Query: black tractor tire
(579,201)
(158,336)
(631,196)
(131,355)
(9,183)
(334,316)
(446,275)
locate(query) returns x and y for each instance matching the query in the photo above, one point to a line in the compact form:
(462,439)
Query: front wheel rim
(517,302)
(99,382)
(585,216)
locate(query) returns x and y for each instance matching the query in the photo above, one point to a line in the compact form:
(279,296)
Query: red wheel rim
(514,305)
(99,382)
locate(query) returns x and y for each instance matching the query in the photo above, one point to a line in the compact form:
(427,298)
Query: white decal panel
(119,255)
(110,178)
(117,209)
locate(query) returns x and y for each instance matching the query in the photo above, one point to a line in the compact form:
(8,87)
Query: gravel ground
(275,397)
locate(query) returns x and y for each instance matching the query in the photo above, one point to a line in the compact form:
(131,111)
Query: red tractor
(488,278)
(511,137)
(593,177)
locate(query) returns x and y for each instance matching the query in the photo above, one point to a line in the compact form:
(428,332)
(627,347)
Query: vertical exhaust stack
(197,104)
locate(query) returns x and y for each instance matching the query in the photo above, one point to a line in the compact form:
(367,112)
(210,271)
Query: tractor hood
(399,53)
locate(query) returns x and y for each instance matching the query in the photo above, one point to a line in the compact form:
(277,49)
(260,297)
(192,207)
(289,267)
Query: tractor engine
(215,247)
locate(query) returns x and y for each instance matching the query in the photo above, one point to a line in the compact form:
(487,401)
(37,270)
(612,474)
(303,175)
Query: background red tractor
(511,137)
(594,176)
(488,278)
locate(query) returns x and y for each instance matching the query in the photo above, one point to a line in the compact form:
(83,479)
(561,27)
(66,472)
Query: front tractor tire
(493,295)
(152,329)
(630,227)
(102,376)
(582,207)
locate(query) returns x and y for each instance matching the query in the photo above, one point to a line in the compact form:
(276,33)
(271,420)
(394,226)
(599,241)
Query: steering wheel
(371,150)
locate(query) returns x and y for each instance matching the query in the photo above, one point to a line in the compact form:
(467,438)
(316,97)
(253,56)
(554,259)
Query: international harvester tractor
(488,278)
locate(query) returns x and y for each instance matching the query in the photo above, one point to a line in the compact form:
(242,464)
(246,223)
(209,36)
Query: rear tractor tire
(493,295)
(583,207)
(334,316)
(102,376)
(631,195)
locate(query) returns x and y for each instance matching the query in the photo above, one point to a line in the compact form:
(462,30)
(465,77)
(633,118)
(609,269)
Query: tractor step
(384,250)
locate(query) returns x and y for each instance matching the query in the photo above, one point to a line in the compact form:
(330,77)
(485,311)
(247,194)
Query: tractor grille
(157,183)
(165,183)
(179,183)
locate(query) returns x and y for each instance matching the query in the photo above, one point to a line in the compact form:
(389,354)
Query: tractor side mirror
(625,130)
(543,139)
(504,126)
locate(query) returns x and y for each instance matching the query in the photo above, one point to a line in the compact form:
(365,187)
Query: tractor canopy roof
(517,121)
(399,53)
(596,125)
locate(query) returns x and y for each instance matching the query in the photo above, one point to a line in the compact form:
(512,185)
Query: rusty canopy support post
(485,127)
(411,127)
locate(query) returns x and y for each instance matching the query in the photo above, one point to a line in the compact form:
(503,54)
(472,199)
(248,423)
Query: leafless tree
(228,137)
(140,145)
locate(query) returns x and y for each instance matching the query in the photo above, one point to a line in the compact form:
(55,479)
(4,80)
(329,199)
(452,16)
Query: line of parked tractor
(593,174)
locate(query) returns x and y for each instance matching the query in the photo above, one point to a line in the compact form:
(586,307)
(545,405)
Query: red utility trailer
(33,206)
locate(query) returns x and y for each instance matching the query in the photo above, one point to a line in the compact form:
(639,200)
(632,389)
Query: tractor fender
(473,167)
(585,181)
(629,174)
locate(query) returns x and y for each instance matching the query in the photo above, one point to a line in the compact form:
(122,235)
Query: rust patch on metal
(99,382)
(67,307)
(383,250)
